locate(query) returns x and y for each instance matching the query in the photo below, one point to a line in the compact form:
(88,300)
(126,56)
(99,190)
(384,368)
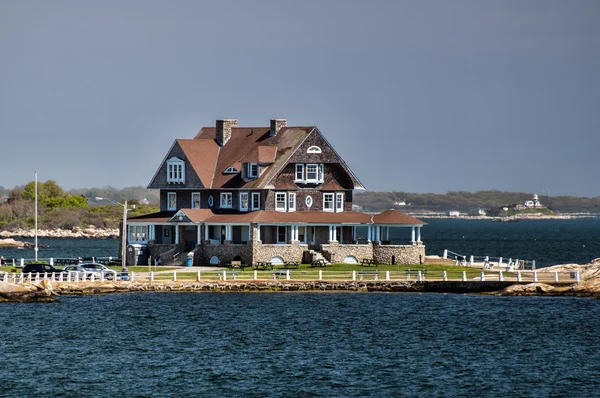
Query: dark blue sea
(301,345)
(549,242)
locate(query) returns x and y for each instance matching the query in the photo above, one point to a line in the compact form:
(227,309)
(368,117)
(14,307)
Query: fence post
(419,276)
(471,260)
(174,276)
(519,279)
(464,276)
(22,262)
(482,276)
(224,275)
(445,256)
(320,274)
(532,264)
(500,276)
(93,278)
(255,274)
(577,277)
(444,276)
(198,276)
(387,275)
(51,260)
(500,262)
(535,278)
(353,275)
(555,276)
(132,276)
(287,274)
(152,276)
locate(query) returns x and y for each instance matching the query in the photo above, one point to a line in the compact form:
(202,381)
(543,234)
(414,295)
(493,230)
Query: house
(453,213)
(266,194)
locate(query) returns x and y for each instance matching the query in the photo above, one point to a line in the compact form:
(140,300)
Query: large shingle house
(266,194)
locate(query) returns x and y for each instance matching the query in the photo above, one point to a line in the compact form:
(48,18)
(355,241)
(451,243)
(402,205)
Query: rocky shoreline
(86,233)
(48,291)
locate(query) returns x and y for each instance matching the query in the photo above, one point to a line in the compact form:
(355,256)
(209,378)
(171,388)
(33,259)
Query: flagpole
(36,217)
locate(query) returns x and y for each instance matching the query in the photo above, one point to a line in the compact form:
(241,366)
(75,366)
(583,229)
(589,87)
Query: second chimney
(224,127)
(276,125)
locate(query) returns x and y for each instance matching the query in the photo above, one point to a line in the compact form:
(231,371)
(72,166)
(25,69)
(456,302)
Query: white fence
(488,262)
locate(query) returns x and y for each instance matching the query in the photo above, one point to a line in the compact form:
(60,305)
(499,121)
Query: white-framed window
(328,202)
(211,201)
(313,149)
(175,171)
(226,200)
(243,201)
(312,173)
(195,200)
(280,201)
(339,202)
(252,171)
(171,201)
(291,201)
(299,175)
(230,170)
(281,234)
(302,234)
(138,233)
(255,200)
(308,201)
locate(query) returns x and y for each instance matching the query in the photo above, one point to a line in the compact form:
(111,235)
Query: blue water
(301,345)
(549,242)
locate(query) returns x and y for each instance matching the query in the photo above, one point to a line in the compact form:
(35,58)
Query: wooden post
(482,276)
(198,276)
(444,276)
(500,276)
(255,274)
(174,276)
(464,276)
(353,275)
(320,275)
(387,275)
(151,276)
(519,279)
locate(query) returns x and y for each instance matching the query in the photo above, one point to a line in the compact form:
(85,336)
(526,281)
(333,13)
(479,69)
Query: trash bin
(189,261)
(124,274)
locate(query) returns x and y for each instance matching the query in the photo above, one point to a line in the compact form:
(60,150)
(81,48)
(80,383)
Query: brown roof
(266,154)
(163,216)
(202,155)
(396,217)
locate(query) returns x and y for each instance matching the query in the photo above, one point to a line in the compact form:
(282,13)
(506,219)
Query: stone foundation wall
(403,254)
(290,252)
(337,253)
(156,249)
(225,253)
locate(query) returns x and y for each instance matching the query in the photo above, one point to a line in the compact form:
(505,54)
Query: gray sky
(418,96)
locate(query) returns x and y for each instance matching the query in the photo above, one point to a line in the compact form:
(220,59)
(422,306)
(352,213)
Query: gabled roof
(202,155)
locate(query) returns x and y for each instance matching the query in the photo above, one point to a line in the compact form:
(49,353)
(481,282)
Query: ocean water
(301,345)
(549,242)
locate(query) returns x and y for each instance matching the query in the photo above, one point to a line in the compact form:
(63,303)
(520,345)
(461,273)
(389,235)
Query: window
(308,201)
(280,201)
(243,201)
(281,234)
(339,202)
(211,201)
(292,201)
(175,171)
(171,201)
(230,170)
(302,234)
(313,149)
(138,233)
(195,200)
(327,202)
(252,170)
(299,172)
(226,200)
(309,173)
(255,200)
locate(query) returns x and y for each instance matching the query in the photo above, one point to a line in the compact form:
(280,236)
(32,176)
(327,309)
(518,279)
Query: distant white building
(401,203)
(478,212)
(453,213)
(533,203)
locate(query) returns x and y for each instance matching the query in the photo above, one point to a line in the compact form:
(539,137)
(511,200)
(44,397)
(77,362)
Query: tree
(48,189)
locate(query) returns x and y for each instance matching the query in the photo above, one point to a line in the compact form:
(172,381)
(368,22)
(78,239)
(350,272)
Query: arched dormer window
(313,149)
(175,171)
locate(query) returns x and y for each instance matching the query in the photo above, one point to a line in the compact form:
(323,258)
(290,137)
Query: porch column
(387,233)
(176,234)
(377,233)
(198,234)
(228,230)
(258,232)
(330,238)
(369,237)
(334,230)
(412,236)
(418,234)
(294,232)
(205,231)
(353,233)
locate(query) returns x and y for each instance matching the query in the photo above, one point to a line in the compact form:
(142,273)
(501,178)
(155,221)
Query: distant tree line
(66,210)
(468,201)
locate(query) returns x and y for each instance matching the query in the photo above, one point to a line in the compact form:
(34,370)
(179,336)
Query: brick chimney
(276,125)
(224,127)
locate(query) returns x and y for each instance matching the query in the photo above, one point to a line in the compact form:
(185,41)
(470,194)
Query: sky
(416,96)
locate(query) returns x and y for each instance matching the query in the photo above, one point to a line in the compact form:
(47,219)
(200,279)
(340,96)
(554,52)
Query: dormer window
(230,170)
(252,171)
(313,149)
(175,171)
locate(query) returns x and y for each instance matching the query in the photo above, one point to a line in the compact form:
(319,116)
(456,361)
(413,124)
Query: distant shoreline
(566,216)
